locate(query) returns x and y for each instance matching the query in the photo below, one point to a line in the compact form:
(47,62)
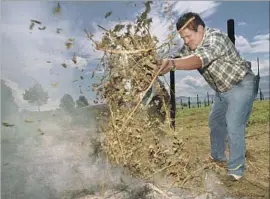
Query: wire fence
(208,99)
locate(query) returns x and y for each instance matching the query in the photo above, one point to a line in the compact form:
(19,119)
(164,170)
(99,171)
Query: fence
(208,99)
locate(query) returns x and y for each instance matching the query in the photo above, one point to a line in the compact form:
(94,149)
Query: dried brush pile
(137,136)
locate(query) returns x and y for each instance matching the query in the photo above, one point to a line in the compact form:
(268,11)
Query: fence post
(207,99)
(230,30)
(198,101)
(172,93)
(261,95)
(188,102)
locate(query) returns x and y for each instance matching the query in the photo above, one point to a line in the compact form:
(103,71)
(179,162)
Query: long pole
(230,30)
(172,94)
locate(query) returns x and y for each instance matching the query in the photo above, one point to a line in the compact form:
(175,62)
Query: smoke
(50,155)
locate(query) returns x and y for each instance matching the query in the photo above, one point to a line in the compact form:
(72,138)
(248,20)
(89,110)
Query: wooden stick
(158,171)
(185,25)
(154,188)
(256,184)
(249,136)
(192,175)
(139,102)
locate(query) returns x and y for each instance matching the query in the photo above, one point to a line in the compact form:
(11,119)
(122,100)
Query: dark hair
(193,25)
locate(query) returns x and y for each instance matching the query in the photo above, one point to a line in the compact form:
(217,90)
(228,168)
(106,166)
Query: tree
(36,95)
(82,101)
(67,103)
(8,105)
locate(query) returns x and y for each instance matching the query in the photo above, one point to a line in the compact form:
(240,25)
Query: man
(213,54)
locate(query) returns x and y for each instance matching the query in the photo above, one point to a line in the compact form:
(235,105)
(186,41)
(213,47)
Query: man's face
(192,38)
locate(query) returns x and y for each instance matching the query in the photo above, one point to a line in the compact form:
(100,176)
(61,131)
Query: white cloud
(192,85)
(188,83)
(242,44)
(30,55)
(204,8)
(260,44)
(262,37)
(198,82)
(264,66)
(50,105)
(242,23)
(17,93)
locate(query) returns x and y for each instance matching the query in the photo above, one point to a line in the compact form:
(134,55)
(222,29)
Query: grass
(192,124)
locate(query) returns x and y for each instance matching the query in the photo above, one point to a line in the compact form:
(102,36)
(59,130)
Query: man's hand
(166,66)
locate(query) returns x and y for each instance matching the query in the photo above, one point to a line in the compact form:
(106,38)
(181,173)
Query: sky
(30,56)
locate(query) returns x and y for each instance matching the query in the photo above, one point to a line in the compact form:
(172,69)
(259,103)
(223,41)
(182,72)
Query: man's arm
(211,50)
(191,62)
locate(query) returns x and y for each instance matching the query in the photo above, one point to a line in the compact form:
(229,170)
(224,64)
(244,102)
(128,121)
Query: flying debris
(64,65)
(58,30)
(108,14)
(81,91)
(93,74)
(69,43)
(41,132)
(54,84)
(49,62)
(31,26)
(35,21)
(6,124)
(57,9)
(81,77)
(74,59)
(28,121)
(43,28)
(75,80)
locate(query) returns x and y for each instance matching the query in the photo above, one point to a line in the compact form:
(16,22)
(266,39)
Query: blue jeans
(229,116)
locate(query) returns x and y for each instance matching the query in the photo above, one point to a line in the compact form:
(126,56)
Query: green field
(193,124)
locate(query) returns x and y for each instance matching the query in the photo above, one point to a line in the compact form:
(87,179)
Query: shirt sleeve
(211,49)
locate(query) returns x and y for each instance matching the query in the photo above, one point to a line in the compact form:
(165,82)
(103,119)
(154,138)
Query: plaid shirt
(222,65)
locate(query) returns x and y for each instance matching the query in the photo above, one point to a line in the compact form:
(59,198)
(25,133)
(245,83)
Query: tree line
(36,96)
